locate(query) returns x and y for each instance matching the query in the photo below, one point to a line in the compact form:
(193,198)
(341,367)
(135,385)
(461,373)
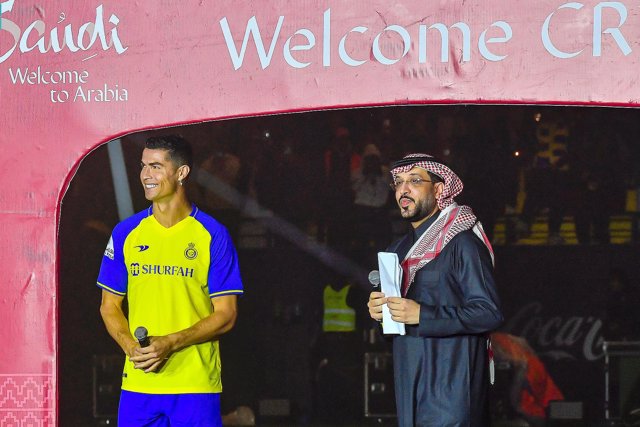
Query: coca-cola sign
(555,336)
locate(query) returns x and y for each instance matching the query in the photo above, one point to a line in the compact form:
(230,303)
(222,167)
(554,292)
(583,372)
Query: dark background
(559,297)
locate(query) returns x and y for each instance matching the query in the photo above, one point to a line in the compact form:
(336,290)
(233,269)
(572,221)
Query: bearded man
(449,302)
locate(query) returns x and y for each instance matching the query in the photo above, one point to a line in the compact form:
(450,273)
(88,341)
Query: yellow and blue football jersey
(169,276)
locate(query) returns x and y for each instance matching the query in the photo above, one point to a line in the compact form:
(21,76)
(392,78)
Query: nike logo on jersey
(142,248)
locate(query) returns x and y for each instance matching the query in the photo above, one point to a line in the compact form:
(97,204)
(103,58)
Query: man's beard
(421,210)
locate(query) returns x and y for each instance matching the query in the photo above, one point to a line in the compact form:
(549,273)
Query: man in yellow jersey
(179,271)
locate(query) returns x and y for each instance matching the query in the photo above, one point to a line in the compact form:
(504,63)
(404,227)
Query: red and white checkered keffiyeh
(452,184)
(452,218)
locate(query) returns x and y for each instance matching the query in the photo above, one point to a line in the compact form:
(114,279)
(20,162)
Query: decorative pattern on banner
(26,400)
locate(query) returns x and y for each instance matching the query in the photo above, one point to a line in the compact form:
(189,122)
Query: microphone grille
(140,333)
(374,277)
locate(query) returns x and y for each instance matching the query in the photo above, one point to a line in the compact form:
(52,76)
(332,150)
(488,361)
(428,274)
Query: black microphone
(141,335)
(374,279)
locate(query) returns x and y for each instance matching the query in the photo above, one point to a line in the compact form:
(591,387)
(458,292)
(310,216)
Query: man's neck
(169,213)
(417,224)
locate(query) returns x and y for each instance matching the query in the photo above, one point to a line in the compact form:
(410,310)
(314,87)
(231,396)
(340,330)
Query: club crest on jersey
(191,252)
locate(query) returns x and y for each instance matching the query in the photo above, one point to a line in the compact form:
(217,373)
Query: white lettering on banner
(406,41)
(615,32)
(34,38)
(444,41)
(554,335)
(103,94)
(326,40)
(46,77)
(597,30)
(252,30)
(373,51)
(482,44)
(343,52)
(311,39)
(39,76)
(85,37)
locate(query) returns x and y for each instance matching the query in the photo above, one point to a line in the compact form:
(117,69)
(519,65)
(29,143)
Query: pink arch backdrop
(73,77)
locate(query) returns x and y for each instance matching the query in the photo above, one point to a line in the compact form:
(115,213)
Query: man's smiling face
(158,174)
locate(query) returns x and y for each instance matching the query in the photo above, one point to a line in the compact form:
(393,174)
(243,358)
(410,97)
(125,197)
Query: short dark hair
(178,148)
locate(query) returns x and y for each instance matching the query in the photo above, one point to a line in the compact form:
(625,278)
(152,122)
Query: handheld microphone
(141,335)
(374,279)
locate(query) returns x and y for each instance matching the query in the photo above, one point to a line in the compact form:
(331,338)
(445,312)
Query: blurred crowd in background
(326,174)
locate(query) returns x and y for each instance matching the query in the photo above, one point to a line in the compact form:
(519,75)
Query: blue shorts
(164,410)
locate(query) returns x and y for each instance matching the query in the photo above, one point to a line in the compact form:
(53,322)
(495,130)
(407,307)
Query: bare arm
(217,323)
(116,322)
(211,327)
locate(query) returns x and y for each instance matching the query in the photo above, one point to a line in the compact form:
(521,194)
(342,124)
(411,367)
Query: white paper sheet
(390,281)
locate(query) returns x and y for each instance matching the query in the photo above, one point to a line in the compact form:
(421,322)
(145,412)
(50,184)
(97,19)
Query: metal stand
(621,375)
(379,395)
